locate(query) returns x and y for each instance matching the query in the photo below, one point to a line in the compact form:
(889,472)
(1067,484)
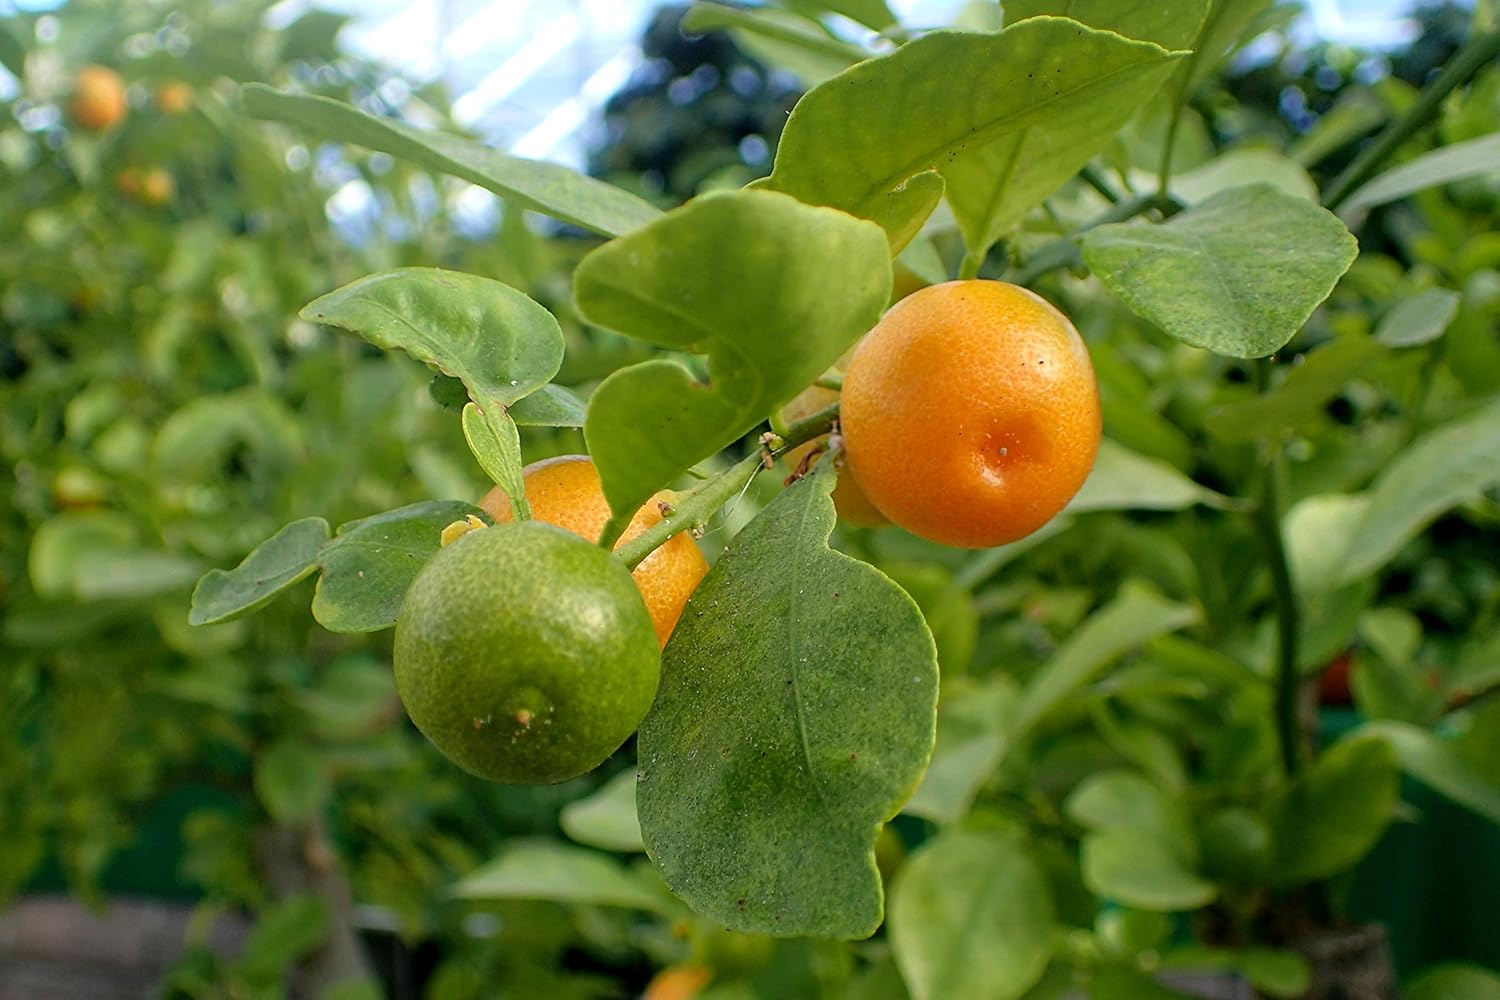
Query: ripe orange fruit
(174,97)
(851,502)
(677,982)
(565,491)
(98,98)
(970,413)
(525,654)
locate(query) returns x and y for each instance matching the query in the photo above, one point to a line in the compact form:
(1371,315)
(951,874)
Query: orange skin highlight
(565,492)
(970,413)
(677,982)
(98,98)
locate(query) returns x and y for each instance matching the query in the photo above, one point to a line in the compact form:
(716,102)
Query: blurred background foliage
(162,410)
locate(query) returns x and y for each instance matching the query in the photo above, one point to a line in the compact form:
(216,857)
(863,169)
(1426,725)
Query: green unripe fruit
(525,654)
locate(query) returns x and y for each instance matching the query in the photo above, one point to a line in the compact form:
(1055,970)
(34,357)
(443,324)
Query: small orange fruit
(157,187)
(970,413)
(174,97)
(98,98)
(677,982)
(565,492)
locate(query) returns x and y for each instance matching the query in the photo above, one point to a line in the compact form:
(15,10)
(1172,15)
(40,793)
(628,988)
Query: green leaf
(292,928)
(549,406)
(278,562)
(290,782)
(1238,274)
(1317,531)
(1113,800)
(1172,26)
(1445,467)
(795,715)
(12,53)
(607,818)
(1046,93)
(1239,167)
(972,917)
(1438,765)
(1125,480)
(496,442)
(1335,811)
(369,563)
(1318,377)
(497,341)
(543,869)
(122,573)
(1420,319)
(64,546)
(1122,865)
(778,37)
(970,743)
(1273,973)
(1220,31)
(1454,982)
(544,187)
(1478,666)
(1441,166)
(773,291)
(873,14)
(1131,619)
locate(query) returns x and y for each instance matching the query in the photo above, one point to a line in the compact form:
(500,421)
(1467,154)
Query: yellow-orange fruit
(98,98)
(677,982)
(157,187)
(128,182)
(850,501)
(174,97)
(970,413)
(565,492)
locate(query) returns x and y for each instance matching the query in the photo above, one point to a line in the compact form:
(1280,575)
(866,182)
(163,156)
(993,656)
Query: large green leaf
(1317,531)
(368,565)
(272,566)
(290,782)
(873,14)
(972,917)
(874,139)
(795,715)
(1445,467)
(545,187)
(773,291)
(1132,618)
(1301,396)
(1454,982)
(1172,26)
(1335,811)
(542,869)
(1238,274)
(970,743)
(1473,158)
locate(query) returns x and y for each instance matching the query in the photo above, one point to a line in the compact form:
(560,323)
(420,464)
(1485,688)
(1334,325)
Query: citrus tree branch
(1064,252)
(697,505)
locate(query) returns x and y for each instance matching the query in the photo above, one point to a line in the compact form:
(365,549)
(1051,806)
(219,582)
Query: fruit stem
(697,505)
(969,267)
(1478,52)
(831,381)
(1268,525)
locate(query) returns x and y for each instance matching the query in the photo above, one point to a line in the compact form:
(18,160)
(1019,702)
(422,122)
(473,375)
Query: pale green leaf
(550,406)
(1238,274)
(1317,531)
(778,37)
(1173,26)
(1419,319)
(972,917)
(1124,480)
(1445,467)
(543,869)
(970,743)
(1318,376)
(1115,800)
(1122,865)
(544,187)
(607,818)
(496,443)
(795,715)
(744,277)
(1240,167)
(290,782)
(1438,765)
(1440,166)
